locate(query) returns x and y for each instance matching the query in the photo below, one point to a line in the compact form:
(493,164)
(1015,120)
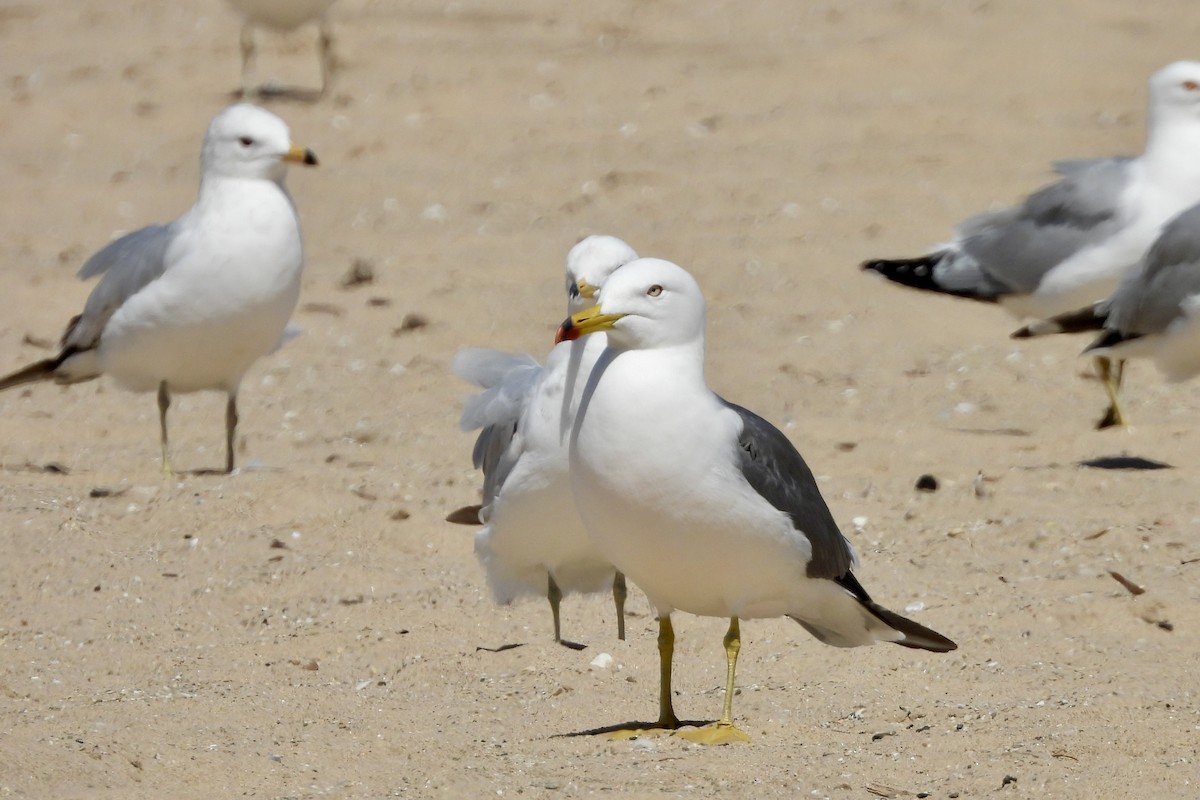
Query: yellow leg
(724,731)
(620,592)
(667,721)
(1110,373)
(666,652)
(164,402)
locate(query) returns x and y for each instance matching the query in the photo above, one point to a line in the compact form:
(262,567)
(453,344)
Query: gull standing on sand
(190,305)
(706,506)
(284,16)
(1154,313)
(1070,243)
(533,541)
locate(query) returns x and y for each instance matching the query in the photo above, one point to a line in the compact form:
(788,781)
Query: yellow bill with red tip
(590,320)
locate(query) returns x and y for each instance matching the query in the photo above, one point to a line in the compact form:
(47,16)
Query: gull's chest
(638,432)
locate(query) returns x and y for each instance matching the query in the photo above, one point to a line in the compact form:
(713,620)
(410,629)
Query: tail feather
(1091,318)
(40,371)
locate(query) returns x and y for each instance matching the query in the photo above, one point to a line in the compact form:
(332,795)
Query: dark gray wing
(776,470)
(1019,246)
(1152,297)
(128,265)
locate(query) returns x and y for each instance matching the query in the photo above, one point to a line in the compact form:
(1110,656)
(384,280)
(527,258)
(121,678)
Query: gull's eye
(654,291)
(245,141)
(1191,86)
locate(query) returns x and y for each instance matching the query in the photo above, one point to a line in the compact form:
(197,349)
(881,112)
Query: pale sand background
(155,644)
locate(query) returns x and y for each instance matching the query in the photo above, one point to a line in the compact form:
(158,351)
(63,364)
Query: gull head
(245,141)
(648,303)
(589,263)
(1175,91)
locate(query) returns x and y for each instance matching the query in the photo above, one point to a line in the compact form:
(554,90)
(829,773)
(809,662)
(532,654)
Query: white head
(1175,93)
(245,141)
(648,303)
(589,263)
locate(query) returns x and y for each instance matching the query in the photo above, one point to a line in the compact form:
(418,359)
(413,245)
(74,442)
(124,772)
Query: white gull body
(191,305)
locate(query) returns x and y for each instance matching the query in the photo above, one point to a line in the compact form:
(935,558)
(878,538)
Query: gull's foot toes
(717,733)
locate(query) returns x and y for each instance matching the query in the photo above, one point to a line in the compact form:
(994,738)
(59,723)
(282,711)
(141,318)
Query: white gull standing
(1154,313)
(1070,243)
(284,16)
(706,506)
(533,541)
(192,304)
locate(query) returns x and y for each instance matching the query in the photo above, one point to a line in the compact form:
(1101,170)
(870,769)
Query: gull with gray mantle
(703,504)
(533,541)
(1154,313)
(192,304)
(1070,243)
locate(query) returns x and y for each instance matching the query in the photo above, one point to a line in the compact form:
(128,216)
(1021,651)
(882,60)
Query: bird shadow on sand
(514,645)
(274,92)
(632,730)
(1123,462)
(499,648)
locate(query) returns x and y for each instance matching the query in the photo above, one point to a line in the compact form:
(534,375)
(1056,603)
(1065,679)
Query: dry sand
(312,627)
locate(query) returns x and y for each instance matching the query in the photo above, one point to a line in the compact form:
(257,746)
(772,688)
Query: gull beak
(586,289)
(301,155)
(590,320)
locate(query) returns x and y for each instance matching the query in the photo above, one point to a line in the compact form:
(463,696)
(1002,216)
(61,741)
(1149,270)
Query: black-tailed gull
(284,16)
(1069,244)
(533,541)
(706,506)
(190,305)
(1154,313)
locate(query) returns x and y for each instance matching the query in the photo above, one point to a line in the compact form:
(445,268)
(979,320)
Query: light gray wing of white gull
(1150,299)
(507,380)
(776,470)
(128,265)
(1015,248)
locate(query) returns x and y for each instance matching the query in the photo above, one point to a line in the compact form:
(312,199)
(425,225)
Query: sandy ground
(310,626)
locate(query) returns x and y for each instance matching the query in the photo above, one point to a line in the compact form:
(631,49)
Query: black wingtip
(1091,318)
(467,515)
(916,273)
(919,273)
(1111,338)
(916,636)
(39,371)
